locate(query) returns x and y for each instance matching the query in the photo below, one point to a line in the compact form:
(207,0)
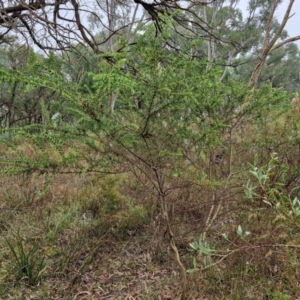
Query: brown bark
(45,23)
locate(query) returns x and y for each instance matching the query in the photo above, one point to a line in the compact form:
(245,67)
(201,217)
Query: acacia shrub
(167,150)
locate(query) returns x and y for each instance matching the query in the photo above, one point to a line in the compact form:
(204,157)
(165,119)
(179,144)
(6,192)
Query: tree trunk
(269,43)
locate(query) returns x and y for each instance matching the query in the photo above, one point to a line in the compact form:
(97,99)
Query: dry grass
(106,238)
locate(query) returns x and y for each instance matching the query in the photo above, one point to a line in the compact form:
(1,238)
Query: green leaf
(239,230)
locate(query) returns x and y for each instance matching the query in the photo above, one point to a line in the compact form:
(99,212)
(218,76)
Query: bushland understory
(158,233)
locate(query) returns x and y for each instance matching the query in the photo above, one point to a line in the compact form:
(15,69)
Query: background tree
(18,107)
(270,42)
(57,25)
(281,68)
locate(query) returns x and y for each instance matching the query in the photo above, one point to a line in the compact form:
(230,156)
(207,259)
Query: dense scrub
(193,194)
(104,237)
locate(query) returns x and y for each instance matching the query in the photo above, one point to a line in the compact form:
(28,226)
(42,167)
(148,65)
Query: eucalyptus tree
(271,57)
(228,33)
(281,69)
(272,37)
